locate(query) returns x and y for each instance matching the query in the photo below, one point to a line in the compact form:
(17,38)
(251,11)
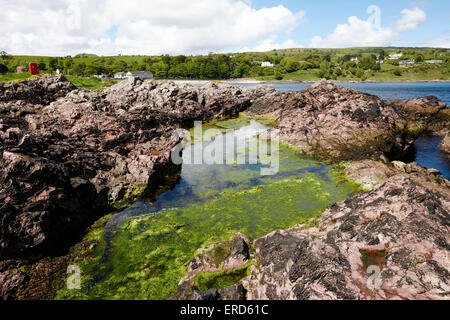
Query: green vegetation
(91,83)
(289,64)
(147,256)
(220,279)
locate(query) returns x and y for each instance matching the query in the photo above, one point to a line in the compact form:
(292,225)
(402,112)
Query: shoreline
(262,82)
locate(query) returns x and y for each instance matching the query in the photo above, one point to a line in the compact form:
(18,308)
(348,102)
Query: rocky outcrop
(67,163)
(420,112)
(445,145)
(10,283)
(69,156)
(390,243)
(38,90)
(335,122)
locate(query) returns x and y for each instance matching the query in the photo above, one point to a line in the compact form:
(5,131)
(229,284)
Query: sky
(155,27)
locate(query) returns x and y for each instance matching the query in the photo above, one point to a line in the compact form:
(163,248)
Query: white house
(406,62)
(266,64)
(354,59)
(139,74)
(395,56)
(434,61)
(120,75)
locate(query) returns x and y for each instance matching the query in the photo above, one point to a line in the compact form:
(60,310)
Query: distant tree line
(325,63)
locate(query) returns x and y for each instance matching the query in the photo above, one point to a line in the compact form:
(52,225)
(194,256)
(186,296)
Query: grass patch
(91,83)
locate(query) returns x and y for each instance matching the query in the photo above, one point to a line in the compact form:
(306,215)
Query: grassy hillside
(288,64)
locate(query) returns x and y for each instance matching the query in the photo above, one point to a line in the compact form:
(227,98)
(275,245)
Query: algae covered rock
(421,112)
(221,260)
(10,283)
(223,256)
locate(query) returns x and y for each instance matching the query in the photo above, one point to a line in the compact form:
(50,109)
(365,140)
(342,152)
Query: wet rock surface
(223,256)
(401,228)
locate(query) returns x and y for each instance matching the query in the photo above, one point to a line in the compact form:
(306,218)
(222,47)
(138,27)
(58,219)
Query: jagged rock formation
(38,90)
(66,163)
(401,228)
(335,122)
(420,112)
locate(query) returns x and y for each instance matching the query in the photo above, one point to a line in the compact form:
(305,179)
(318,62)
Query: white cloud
(359,32)
(271,44)
(138,27)
(438,43)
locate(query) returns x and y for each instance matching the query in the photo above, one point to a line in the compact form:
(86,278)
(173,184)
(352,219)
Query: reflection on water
(197,180)
(145,248)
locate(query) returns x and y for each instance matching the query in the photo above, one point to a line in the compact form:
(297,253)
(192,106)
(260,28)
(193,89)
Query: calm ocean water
(386,91)
(427,152)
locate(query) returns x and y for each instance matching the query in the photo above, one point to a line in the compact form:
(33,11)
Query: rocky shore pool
(145,249)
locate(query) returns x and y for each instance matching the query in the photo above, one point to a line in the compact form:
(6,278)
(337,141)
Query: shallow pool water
(145,249)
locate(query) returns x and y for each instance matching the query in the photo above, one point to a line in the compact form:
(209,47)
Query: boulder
(445,145)
(223,256)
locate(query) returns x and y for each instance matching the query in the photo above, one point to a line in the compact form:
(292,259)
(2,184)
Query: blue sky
(111,27)
(322,17)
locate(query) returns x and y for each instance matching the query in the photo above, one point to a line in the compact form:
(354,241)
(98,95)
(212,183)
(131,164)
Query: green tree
(224,71)
(291,65)
(42,66)
(78,69)
(278,75)
(3,68)
(4,55)
(359,73)
(161,70)
(53,64)
(397,72)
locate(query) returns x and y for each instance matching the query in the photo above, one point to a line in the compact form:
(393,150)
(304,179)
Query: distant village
(284,64)
(395,56)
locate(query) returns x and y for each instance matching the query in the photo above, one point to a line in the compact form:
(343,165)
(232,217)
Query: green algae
(150,254)
(147,256)
(132,195)
(220,279)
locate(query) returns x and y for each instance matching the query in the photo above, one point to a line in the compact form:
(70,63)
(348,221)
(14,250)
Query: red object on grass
(34,68)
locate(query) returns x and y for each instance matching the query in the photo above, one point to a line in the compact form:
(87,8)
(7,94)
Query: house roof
(140,74)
